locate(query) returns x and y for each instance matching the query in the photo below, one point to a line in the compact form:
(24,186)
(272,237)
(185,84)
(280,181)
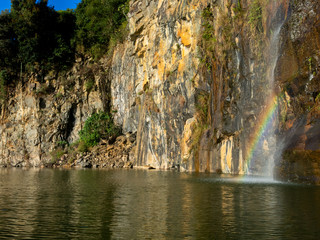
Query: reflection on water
(128,204)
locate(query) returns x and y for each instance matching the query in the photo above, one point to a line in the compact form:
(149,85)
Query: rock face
(261,49)
(216,86)
(159,78)
(42,113)
(154,74)
(298,75)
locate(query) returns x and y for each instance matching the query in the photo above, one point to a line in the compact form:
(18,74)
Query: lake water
(140,204)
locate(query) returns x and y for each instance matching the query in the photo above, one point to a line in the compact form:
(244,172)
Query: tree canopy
(37,38)
(97,22)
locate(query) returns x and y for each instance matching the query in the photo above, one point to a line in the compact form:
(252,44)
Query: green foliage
(62,143)
(202,107)
(202,112)
(63,53)
(42,34)
(72,152)
(89,84)
(238,8)
(217,38)
(310,64)
(208,31)
(57,154)
(82,147)
(35,37)
(208,40)
(8,47)
(255,16)
(118,37)
(89,80)
(98,126)
(58,95)
(98,21)
(3,86)
(209,45)
(63,147)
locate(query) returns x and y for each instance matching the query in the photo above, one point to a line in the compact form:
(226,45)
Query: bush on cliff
(56,155)
(98,126)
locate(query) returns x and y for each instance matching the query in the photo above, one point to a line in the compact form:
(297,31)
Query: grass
(56,155)
(89,84)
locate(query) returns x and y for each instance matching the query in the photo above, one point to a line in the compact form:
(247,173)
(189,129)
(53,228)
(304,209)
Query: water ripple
(59,204)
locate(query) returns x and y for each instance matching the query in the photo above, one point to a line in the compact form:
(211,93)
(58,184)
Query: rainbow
(263,123)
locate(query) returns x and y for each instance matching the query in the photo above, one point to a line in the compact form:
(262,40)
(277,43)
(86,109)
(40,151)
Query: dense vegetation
(36,38)
(98,126)
(99,23)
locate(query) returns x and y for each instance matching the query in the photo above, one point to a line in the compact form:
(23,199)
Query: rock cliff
(298,77)
(154,78)
(263,66)
(40,113)
(206,85)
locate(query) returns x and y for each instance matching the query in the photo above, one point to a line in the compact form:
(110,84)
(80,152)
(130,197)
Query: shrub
(62,143)
(82,147)
(89,84)
(56,154)
(98,126)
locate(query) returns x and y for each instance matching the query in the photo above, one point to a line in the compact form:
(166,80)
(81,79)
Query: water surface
(138,204)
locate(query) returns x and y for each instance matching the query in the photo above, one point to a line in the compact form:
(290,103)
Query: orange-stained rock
(185,36)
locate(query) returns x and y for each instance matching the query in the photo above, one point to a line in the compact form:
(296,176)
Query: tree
(43,35)
(64,51)
(7,41)
(97,21)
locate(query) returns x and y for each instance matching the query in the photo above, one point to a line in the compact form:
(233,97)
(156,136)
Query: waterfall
(272,146)
(270,135)
(262,147)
